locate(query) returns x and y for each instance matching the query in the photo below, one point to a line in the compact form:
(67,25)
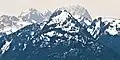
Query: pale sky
(94,7)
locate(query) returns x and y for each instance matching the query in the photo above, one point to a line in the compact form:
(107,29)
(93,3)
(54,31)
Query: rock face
(62,37)
(107,31)
(104,26)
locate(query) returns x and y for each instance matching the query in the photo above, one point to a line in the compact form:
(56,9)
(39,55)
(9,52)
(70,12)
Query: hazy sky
(95,7)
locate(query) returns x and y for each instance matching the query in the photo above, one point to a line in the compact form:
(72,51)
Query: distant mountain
(10,24)
(34,16)
(62,37)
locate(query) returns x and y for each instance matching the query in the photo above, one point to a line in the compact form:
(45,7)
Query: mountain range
(67,33)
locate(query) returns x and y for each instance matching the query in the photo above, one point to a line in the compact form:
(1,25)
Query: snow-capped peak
(64,20)
(59,16)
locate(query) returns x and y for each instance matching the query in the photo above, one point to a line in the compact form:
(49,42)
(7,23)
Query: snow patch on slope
(5,47)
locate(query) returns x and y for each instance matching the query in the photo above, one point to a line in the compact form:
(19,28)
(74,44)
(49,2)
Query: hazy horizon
(94,7)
